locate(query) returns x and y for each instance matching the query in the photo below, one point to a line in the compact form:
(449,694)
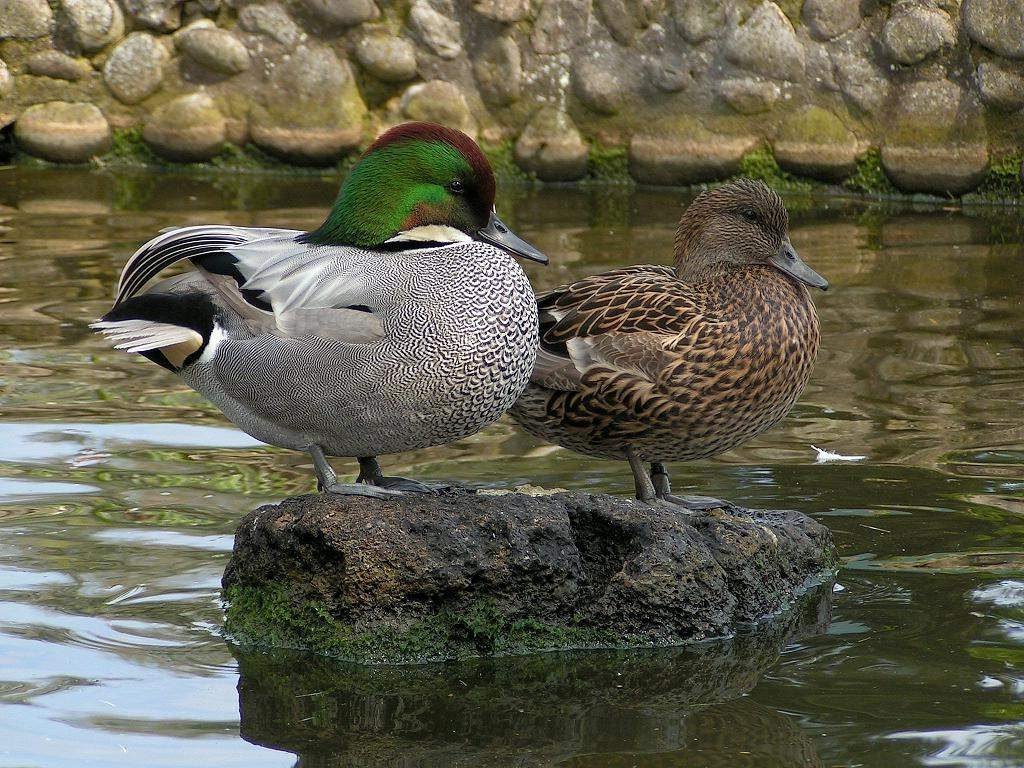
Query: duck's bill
(789,261)
(500,236)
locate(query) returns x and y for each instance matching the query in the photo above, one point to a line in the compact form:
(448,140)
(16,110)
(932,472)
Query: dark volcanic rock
(437,577)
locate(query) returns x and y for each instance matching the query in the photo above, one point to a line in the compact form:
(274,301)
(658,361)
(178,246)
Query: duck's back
(637,359)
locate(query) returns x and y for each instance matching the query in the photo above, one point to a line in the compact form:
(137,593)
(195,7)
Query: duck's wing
(270,278)
(627,320)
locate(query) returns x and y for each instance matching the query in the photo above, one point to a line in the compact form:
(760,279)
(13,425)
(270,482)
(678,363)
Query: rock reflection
(601,708)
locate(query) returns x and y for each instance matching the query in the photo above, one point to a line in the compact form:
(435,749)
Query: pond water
(120,490)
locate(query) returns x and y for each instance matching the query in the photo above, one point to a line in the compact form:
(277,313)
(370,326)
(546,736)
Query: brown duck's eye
(749,214)
(456,186)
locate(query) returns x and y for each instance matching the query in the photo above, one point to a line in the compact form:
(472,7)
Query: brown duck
(656,363)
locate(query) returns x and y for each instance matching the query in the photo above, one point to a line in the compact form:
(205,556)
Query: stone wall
(684,89)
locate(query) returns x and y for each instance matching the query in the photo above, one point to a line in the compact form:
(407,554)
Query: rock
(946,169)
(551,148)
(343,13)
(499,71)
(828,19)
(816,143)
(95,24)
(935,140)
(690,155)
(388,58)
(438,101)
(25,19)
(597,86)
(625,19)
(698,20)
(64,132)
(135,67)
(914,31)
(560,25)
(161,15)
(861,80)
(566,709)
(271,20)
(1001,84)
(422,578)
(216,49)
(996,24)
(748,96)
(57,65)
(506,11)
(767,44)
(440,34)
(312,111)
(188,128)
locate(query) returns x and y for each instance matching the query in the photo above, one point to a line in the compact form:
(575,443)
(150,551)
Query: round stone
(688,156)
(699,20)
(161,15)
(499,71)
(271,20)
(443,36)
(312,111)
(95,24)
(505,11)
(216,49)
(24,19)
(1001,84)
(828,19)
(941,169)
(748,96)
(57,65)
(597,86)
(914,31)
(64,132)
(816,143)
(996,24)
(135,67)
(342,13)
(387,58)
(551,148)
(188,128)
(438,101)
(767,44)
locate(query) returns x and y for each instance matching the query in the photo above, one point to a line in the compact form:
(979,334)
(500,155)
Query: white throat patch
(431,233)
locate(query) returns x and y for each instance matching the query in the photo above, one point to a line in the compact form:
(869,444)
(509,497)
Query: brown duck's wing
(628,320)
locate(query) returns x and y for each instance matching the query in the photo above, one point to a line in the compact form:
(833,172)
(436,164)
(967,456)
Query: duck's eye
(749,214)
(456,187)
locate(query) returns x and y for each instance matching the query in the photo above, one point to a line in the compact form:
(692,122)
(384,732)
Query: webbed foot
(358,489)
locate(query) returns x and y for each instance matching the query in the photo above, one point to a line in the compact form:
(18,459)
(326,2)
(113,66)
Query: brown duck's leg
(663,490)
(644,487)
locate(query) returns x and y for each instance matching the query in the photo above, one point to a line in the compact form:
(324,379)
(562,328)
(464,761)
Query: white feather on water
(826,456)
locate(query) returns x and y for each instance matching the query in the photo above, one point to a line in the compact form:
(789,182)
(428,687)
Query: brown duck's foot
(695,503)
(663,490)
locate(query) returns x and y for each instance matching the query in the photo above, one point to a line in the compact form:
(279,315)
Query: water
(119,493)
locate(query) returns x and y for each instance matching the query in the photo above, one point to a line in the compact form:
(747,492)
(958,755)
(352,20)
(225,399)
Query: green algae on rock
(449,576)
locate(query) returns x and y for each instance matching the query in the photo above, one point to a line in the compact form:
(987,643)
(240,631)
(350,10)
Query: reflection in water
(120,490)
(584,709)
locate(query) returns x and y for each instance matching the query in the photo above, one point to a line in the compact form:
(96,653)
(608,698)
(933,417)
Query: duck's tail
(172,330)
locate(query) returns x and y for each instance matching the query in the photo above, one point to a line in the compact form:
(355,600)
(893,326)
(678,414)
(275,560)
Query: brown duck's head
(736,225)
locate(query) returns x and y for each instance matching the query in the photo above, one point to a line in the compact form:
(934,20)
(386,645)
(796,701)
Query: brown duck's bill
(500,236)
(790,262)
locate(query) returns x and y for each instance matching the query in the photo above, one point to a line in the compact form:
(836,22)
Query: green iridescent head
(418,183)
